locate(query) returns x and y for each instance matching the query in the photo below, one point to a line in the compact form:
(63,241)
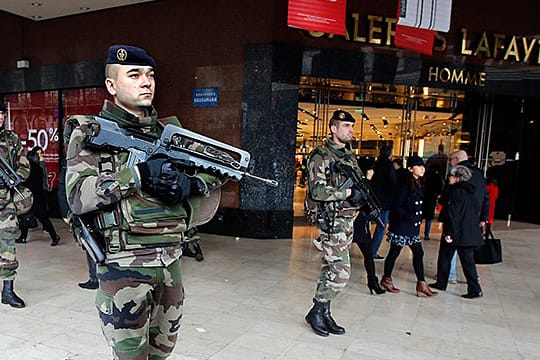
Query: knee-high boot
(316,320)
(9,297)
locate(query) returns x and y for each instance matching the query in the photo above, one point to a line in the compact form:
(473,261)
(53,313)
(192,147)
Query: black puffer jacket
(462,211)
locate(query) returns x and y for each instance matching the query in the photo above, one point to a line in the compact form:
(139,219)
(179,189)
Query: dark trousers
(47,226)
(418,260)
(466,257)
(369,264)
(91,267)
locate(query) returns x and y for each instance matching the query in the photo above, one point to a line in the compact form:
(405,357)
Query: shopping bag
(490,252)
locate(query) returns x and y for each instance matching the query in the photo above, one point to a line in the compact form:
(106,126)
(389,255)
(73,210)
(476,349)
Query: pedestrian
(492,189)
(337,206)
(11,150)
(37,182)
(433,184)
(384,183)
(461,232)
(404,227)
(138,211)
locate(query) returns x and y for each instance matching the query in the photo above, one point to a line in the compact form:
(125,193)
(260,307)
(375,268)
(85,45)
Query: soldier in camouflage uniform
(337,205)
(140,211)
(11,150)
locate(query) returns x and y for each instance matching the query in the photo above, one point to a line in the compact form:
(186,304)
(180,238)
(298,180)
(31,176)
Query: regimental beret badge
(121,54)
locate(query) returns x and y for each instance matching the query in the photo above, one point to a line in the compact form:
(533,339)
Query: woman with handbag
(11,151)
(37,183)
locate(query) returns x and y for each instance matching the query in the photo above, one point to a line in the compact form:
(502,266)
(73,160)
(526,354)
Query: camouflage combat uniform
(335,216)
(11,150)
(140,295)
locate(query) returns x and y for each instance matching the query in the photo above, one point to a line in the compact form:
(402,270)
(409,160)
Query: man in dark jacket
(384,184)
(461,231)
(477,179)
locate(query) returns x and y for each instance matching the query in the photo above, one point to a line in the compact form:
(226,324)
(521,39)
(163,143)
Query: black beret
(415,160)
(3,106)
(129,55)
(342,115)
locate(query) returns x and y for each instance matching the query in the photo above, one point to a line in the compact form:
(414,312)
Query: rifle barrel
(273,183)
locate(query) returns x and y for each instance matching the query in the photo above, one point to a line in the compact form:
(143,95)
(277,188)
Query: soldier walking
(337,206)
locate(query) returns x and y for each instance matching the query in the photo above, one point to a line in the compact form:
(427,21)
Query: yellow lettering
(361,39)
(374,29)
(445,75)
(470,78)
(464,50)
(433,74)
(482,77)
(528,48)
(390,33)
(316,34)
(512,50)
(499,43)
(442,39)
(483,46)
(457,77)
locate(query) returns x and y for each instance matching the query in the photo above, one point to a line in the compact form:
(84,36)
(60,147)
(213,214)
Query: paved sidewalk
(248,298)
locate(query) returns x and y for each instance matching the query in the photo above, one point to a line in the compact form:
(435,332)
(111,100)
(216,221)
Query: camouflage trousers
(8,232)
(336,263)
(140,309)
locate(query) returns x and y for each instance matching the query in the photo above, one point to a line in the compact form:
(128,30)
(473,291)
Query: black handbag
(27,221)
(490,252)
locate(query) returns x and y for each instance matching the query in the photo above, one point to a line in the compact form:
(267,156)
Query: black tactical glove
(197,186)
(357,196)
(163,178)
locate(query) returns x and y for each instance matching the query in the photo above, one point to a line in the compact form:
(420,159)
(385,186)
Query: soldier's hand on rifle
(357,196)
(164,179)
(198,186)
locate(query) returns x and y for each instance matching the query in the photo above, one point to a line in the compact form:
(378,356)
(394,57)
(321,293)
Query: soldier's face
(342,132)
(133,87)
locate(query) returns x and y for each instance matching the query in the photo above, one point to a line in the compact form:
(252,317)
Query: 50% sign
(41,138)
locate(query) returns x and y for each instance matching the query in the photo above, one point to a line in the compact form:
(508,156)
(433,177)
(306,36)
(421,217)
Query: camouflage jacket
(138,228)
(12,151)
(325,185)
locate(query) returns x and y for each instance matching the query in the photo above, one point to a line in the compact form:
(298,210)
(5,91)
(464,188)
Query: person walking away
(11,150)
(37,183)
(337,206)
(140,212)
(404,228)
(461,232)
(384,183)
(433,185)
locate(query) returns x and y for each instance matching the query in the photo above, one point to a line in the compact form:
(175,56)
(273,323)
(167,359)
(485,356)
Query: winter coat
(406,211)
(479,182)
(433,185)
(462,211)
(384,181)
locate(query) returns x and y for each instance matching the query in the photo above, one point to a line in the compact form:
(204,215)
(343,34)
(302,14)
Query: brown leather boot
(387,284)
(423,288)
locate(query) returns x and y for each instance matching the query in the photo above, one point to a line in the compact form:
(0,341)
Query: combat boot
(9,297)
(330,322)
(315,318)
(90,284)
(186,251)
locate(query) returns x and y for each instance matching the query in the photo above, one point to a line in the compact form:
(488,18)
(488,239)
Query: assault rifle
(87,239)
(360,183)
(8,176)
(190,149)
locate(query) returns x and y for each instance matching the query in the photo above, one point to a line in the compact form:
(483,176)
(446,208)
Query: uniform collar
(126,119)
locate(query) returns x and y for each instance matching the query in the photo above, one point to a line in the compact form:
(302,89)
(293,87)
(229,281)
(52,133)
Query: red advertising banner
(318,15)
(415,39)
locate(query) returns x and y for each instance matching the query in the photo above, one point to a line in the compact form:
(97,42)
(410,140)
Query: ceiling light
(36,4)
(36,17)
(84,8)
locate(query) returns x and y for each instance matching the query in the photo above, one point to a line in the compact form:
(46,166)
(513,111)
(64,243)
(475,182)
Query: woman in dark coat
(37,183)
(362,238)
(404,227)
(461,232)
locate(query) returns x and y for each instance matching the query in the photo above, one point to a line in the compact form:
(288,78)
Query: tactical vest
(141,220)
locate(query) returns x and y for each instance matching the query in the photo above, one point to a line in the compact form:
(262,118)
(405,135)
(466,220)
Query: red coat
(493,194)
